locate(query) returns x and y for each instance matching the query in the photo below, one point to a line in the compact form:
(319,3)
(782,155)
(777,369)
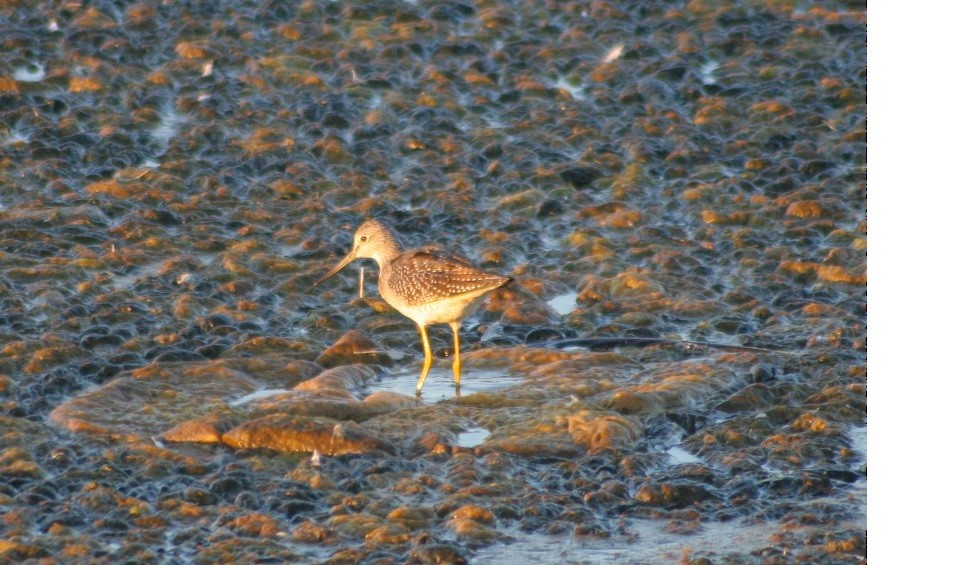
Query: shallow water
(564,303)
(440,386)
(472,437)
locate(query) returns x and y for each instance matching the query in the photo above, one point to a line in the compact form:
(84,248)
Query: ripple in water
(257,395)
(706,71)
(170,121)
(680,456)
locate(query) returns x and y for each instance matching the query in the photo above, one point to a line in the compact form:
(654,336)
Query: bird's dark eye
(363,238)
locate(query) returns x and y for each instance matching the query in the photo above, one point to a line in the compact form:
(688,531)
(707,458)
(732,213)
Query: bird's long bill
(343,263)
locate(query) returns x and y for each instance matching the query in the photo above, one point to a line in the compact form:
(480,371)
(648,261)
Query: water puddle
(472,437)
(439,385)
(563,304)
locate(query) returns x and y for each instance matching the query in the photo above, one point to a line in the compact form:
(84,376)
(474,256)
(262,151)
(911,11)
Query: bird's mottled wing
(426,275)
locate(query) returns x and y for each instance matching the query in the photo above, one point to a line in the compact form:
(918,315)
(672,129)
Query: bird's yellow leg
(427,357)
(455,326)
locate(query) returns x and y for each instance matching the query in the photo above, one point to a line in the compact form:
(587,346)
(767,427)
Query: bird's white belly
(440,311)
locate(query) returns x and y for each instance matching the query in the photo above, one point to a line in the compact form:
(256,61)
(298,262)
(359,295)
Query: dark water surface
(175,176)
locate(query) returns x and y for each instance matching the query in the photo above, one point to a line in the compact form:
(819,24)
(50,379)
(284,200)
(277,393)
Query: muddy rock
(196,431)
(338,380)
(603,431)
(296,433)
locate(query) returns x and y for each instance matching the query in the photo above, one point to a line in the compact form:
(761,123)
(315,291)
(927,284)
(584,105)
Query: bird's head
(372,240)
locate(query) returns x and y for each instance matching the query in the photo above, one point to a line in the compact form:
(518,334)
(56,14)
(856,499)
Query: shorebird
(428,285)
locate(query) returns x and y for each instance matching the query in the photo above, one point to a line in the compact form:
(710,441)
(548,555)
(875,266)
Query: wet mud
(657,179)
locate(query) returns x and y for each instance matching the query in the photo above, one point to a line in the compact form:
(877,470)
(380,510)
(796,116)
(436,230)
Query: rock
(354,348)
(473,512)
(175,355)
(469,529)
(751,397)
(633,402)
(283,432)
(731,219)
(413,517)
(310,532)
(158,398)
(388,534)
(580,176)
(436,553)
(19,552)
(8,85)
(549,208)
(336,380)
(810,423)
(762,373)
(194,431)
(383,401)
(244,550)
(302,404)
(603,432)
(254,525)
(805,209)
(262,346)
(535,446)
(354,525)
(675,494)
(16,462)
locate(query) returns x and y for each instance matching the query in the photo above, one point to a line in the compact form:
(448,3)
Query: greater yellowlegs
(427,285)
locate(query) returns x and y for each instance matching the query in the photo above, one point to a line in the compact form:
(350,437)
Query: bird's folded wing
(426,275)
